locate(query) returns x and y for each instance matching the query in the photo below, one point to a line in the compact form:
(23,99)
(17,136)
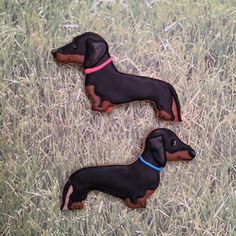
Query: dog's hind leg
(175,104)
(163,112)
(168,105)
(77,199)
(77,205)
(72,198)
(67,191)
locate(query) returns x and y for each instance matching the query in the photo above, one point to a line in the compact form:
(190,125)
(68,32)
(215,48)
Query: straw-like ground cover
(46,133)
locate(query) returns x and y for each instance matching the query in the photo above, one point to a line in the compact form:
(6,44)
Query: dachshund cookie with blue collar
(133,183)
(106,86)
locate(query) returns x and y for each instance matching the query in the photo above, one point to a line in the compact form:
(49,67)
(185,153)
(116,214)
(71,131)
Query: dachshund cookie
(106,86)
(134,183)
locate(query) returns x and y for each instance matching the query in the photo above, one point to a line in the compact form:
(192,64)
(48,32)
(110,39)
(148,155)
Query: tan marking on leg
(95,99)
(109,109)
(97,105)
(69,58)
(178,156)
(141,202)
(77,205)
(174,110)
(69,192)
(106,106)
(164,115)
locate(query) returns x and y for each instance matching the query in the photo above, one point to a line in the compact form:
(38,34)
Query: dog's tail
(176,99)
(64,194)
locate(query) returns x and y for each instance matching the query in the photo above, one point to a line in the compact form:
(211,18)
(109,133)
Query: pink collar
(97,68)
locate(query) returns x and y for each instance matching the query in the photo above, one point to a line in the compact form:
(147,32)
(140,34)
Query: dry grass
(46,134)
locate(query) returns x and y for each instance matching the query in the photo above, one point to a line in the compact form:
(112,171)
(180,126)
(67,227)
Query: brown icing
(69,58)
(77,205)
(178,156)
(105,106)
(141,202)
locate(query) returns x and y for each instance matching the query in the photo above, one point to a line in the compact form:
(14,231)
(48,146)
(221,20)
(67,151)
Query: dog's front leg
(97,104)
(104,106)
(141,202)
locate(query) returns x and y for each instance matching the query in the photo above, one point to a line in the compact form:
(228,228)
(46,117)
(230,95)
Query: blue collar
(159,169)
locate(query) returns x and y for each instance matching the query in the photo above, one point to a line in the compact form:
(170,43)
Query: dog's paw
(164,115)
(77,206)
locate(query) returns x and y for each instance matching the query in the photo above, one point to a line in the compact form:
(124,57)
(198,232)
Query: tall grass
(46,134)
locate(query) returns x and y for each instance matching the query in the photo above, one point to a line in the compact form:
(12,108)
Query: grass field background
(46,133)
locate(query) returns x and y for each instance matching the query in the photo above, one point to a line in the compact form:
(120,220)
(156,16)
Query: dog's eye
(75,45)
(173,142)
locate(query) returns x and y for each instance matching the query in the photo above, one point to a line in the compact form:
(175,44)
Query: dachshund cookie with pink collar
(106,86)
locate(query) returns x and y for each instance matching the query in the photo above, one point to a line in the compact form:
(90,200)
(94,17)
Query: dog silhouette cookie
(134,183)
(106,86)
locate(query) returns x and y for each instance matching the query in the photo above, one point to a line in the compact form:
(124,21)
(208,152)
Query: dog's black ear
(156,146)
(95,50)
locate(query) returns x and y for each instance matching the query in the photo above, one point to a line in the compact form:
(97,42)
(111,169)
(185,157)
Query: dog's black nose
(192,153)
(54,52)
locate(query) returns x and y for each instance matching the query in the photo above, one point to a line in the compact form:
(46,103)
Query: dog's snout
(54,52)
(192,153)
